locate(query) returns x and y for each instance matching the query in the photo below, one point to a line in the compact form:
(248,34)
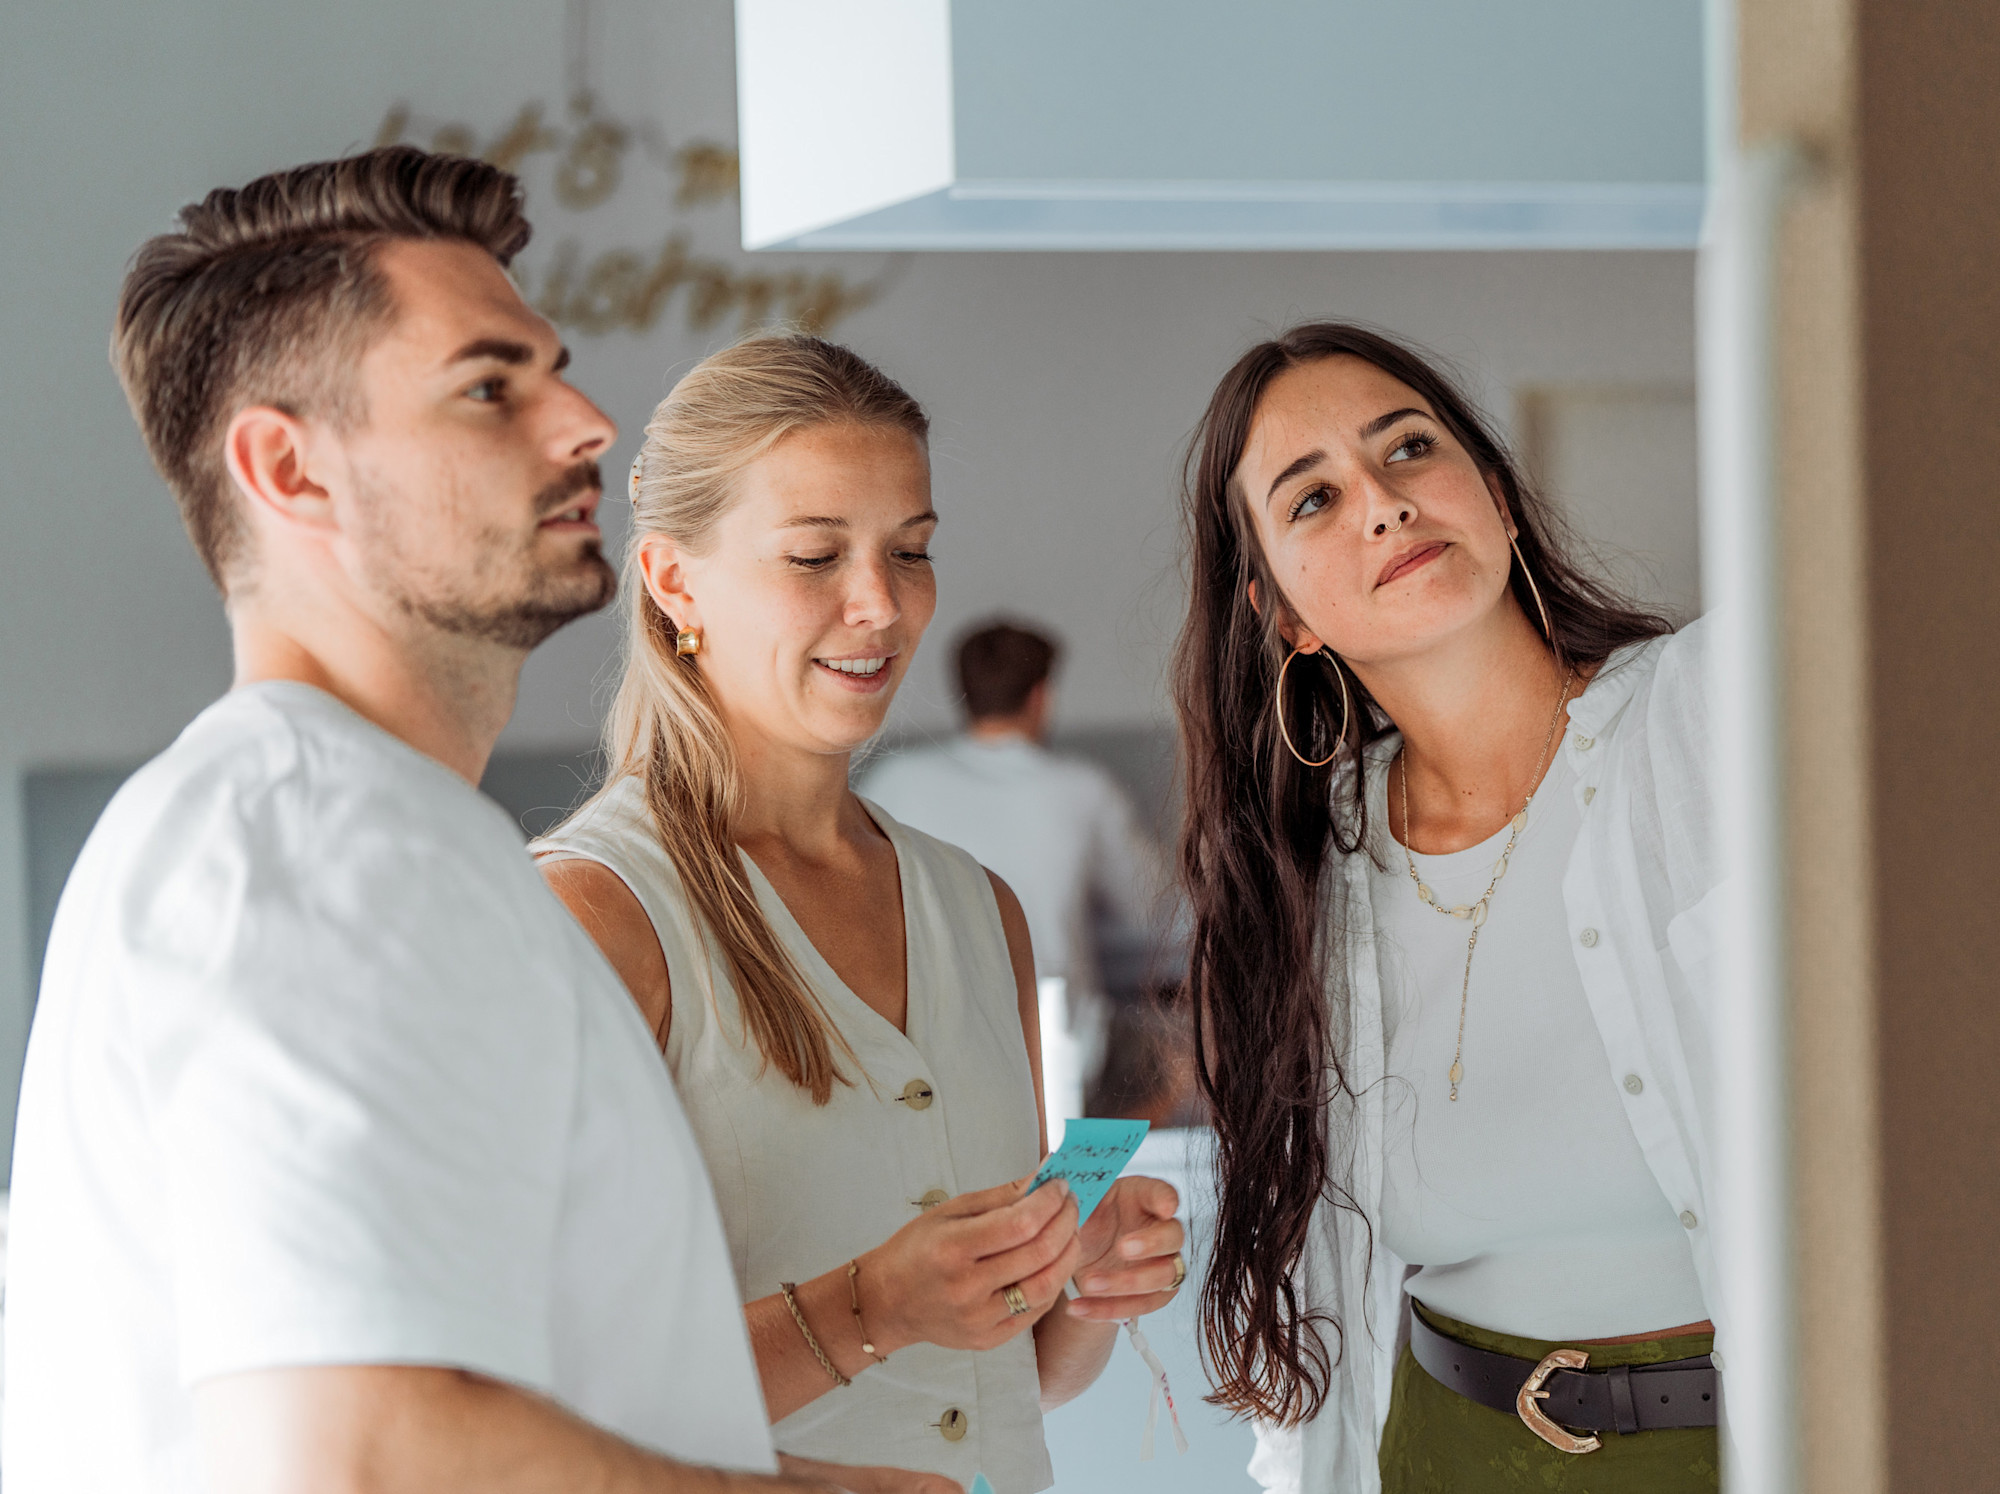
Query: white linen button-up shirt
(1642,892)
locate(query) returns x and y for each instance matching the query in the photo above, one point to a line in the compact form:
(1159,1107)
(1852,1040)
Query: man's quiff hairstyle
(269,294)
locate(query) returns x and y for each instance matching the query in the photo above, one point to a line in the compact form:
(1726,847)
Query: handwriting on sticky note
(979,1484)
(1092,1154)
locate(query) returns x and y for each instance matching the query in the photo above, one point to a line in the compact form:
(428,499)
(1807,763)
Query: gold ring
(1017,1301)
(1180,1271)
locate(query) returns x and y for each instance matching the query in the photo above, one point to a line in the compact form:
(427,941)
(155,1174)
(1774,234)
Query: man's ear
(268,453)
(1500,503)
(664,568)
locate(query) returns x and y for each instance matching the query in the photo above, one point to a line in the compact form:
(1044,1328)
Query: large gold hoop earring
(1346,709)
(1534,591)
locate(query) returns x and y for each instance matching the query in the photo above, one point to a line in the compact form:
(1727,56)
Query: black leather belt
(1560,1393)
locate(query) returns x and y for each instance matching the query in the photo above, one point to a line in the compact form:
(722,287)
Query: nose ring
(1401,515)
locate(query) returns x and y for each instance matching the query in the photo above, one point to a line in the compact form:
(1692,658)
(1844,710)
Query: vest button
(917,1094)
(932,1199)
(952,1425)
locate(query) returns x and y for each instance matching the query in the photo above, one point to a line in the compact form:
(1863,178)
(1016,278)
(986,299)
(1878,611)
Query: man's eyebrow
(500,350)
(1311,459)
(1381,423)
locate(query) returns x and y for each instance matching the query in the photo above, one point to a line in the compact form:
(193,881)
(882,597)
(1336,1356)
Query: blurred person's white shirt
(323,1074)
(1060,832)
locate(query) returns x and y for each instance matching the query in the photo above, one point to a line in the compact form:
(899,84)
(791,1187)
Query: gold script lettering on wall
(592,157)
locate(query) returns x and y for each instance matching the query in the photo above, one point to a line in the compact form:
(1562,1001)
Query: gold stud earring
(687,643)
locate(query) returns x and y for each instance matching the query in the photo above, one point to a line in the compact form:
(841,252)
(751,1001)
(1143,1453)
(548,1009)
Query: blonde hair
(728,411)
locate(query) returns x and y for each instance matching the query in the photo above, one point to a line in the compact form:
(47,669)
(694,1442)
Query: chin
(846,730)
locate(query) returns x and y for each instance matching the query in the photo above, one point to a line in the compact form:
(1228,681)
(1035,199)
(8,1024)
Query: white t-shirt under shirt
(323,1074)
(1526,1202)
(1055,829)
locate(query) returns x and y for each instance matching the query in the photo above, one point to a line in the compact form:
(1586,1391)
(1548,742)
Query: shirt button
(1633,1085)
(1589,792)
(933,1198)
(1588,938)
(1584,744)
(951,1426)
(917,1094)
(1688,1221)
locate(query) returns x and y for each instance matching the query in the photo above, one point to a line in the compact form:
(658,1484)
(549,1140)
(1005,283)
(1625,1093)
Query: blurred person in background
(847,1005)
(1058,828)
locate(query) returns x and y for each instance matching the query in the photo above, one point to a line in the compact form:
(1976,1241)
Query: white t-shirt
(323,1074)
(1527,1201)
(1055,829)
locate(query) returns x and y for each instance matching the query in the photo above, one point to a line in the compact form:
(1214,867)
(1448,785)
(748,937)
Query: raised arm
(1127,1247)
(404,1429)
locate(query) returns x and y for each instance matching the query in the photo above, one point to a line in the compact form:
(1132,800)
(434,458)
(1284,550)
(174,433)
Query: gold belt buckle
(1531,1414)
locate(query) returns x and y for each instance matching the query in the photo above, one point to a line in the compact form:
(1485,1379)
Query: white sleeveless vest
(946,1109)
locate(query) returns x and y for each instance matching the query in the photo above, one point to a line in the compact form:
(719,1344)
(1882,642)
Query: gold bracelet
(854,1295)
(789,1287)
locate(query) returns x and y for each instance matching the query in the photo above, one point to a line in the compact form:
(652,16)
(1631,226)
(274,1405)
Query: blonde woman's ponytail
(663,727)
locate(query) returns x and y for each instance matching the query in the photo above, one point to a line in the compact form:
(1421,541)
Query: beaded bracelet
(789,1287)
(854,1296)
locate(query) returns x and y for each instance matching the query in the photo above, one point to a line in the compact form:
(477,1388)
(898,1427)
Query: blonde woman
(847,1005)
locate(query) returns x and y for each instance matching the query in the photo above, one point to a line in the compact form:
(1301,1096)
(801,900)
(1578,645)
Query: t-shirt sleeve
(362,1091)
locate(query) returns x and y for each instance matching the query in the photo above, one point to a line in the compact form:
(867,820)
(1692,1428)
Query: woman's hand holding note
(1129,1246)
(942,1277)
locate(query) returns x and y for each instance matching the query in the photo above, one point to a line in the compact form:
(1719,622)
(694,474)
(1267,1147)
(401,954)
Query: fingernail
(1096,1284)
(1131,1248)
(1079,1309)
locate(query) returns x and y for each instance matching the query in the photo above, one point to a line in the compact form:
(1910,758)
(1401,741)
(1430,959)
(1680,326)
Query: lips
(862,673)
(571,500)
(583,511)
(1411,559)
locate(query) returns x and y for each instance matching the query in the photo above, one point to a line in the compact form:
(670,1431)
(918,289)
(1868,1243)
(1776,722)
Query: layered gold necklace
(1475,913)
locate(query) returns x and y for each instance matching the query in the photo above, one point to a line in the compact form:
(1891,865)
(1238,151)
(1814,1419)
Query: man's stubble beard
(523,600)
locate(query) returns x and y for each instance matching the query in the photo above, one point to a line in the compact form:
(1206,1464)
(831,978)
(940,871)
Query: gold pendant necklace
(1475,913)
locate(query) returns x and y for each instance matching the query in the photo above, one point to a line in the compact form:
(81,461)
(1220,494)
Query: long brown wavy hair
(1267,966)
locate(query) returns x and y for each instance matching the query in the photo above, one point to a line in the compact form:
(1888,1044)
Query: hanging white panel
(1261,124)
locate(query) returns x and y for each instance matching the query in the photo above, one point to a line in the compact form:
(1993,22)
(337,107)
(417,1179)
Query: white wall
(1062,386)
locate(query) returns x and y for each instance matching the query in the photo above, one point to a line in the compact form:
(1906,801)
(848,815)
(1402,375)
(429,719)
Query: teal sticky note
(979,1484)
(1092,1154)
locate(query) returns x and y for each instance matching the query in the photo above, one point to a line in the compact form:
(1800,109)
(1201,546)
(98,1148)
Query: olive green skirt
(1438,1442)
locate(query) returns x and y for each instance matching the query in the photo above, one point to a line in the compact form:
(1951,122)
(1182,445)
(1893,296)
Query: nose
(1386,510)
(587,433)
(871,598)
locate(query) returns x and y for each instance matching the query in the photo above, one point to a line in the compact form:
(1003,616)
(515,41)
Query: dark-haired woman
(1450,854)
